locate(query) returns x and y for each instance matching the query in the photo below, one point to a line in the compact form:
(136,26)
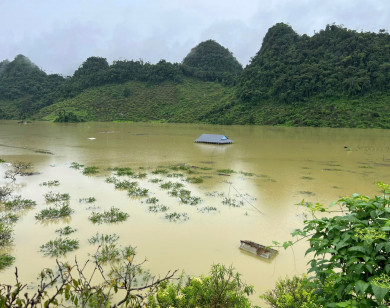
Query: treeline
(31,89)
(333,63)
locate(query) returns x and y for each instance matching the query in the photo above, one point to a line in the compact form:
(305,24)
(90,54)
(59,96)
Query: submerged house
(215,139)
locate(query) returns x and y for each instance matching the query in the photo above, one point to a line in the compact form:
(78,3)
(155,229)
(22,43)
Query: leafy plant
(232,202)
(222,288)
(5,234)
(194,180)
(50,183)
(226,171)
(52,197)
(152,200)
(125,185)
(6,260)
(59,247)
(65,231)
(61,209)
(156,208)
(138,192)
(111,216)
(175,217)
(208,209)
(119,171)
(5,192)
(351,260)
(18,204)
(103,238)
(90,170)
(87,200)
(76,165)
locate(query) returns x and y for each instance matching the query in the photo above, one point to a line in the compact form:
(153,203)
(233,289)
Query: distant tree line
(333,63)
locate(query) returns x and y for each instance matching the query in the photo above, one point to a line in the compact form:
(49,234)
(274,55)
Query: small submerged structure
(214,139)
(258,250)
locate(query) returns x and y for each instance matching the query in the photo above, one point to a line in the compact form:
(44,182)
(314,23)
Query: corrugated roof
(212,138)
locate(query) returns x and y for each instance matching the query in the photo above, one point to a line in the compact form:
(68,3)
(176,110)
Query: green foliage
(19,204)
(175,217)
(232,202)
(76,165)
(5,234)
(65,231)
(111,216)
(138,192)
(157,208)
(296,292)
(350,253)
(226,171)
(59,210)
(222,288)
(59,247)
(194,180)
(90,170)
(2,161)
(123,171)
(68,117)
(5,192)
(50,183)
(87,200)
(210,61)
(6,260)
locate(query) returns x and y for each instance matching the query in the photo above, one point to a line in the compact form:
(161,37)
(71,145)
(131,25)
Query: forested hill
(336,78)
(333,63)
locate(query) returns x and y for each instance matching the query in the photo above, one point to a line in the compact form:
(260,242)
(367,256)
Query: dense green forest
(336,77)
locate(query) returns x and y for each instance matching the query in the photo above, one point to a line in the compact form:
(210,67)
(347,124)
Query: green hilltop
(336,78)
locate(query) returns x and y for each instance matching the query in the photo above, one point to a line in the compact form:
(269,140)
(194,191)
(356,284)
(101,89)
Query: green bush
(223,288)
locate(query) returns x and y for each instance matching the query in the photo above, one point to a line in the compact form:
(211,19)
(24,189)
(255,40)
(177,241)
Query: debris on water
(91,138)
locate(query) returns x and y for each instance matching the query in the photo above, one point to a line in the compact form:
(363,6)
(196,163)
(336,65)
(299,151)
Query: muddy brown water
(275,168)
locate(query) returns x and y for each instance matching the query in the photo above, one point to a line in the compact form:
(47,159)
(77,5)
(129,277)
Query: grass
(65,231)
(19,204)
(90,170)
(6,260)
(112,216)
(176,217)
(59,247)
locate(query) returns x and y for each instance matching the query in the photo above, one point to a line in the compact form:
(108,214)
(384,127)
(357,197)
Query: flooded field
(188,204)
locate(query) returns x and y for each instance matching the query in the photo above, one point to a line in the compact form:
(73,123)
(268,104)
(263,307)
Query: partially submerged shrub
(103,238)
(90,170)
(160,171)
(6,260)
(138,192)
(171,185)
(50,183)
(123,171)
(52,197)
(194,180)
(19,204)
(232,202)
(75,165)
(60,210)
(125,184)
(19,168)
(152,200)
(226,171)
(208,209)
(65,231)
(8,218)
(5,234)
(175,217)
(60,246)
(5,192)
(157,208)
(111,216)
(139,175)
(185,197)
(87,200)
(155,180)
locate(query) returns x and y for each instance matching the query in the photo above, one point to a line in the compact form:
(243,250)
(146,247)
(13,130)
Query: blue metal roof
(212,138)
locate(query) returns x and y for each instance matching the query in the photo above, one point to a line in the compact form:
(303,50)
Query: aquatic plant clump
(103,238)
(59,247)
(207,209)
(160,171)
(194,180)
(139,175)
(155,180)
(8,218)
(123,171)
(6,260)
(52,197)
(226,171)
(19,204)
(138,192)
(5,234)
(171,185)
(76,165)
(61,210)
(152,200)
(90,170)
(65,231)
(157,208)
(111,216)
(232,202)
(50,183)
(185,197)
(5,192)
(125,184)
(87,200)
(176,217)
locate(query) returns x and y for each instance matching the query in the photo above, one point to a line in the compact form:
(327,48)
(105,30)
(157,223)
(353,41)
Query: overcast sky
(59,36)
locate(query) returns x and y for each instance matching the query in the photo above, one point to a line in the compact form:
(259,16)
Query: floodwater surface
(271,170)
